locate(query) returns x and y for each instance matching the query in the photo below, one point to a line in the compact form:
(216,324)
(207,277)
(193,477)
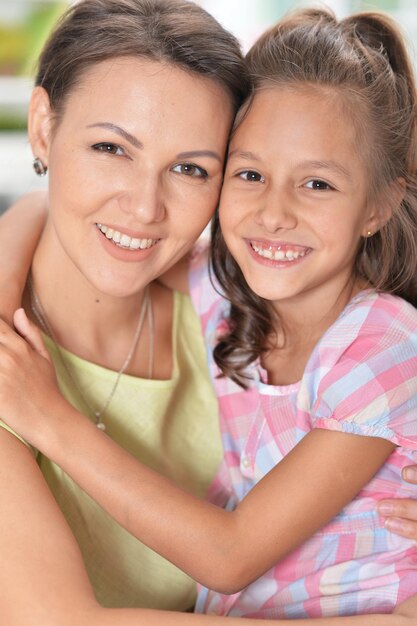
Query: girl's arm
(223,550)
(43,579)
(20,229)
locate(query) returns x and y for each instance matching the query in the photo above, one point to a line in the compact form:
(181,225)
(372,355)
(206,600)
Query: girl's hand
(401,515)
(28,386)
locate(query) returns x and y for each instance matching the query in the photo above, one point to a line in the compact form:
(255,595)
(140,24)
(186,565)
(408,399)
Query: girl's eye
(318,185)
(109,148)
(251,176)
(189,169)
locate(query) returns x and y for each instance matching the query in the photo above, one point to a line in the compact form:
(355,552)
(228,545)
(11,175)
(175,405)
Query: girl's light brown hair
(362,62)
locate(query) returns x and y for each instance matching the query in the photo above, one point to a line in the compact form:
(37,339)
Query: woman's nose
(146,201)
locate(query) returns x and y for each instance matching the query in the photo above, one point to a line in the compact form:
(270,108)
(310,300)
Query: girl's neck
(312,312)
(300,325)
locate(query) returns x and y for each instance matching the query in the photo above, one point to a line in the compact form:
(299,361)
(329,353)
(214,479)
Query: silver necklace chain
(146,309)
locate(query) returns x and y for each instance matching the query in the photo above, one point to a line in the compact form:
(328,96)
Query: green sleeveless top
(172,426)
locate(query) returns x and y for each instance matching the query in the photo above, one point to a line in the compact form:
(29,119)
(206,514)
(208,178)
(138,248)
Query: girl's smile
(275,253)
(294,204)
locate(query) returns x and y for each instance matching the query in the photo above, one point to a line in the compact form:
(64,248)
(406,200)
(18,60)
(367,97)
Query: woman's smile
(135,169)
(123,240)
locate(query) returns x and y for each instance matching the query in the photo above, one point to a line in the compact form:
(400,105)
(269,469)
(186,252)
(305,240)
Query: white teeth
(124,241)
(135,244)
(278,255)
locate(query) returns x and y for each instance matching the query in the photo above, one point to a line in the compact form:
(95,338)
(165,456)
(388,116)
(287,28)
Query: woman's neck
(93,325)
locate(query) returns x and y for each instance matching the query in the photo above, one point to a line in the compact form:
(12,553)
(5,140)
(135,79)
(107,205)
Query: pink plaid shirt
(361,378)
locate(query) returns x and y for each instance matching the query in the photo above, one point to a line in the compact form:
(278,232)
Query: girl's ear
(388,204)
(40,124)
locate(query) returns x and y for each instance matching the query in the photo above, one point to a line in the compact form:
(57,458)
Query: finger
(402,527)
(409,474)
(401,516)
(406,508)
(8,337)
(30,332)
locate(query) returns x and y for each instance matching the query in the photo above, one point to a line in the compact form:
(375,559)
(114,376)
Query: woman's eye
(319,185)
(189,169)
(109,148)
(251,176)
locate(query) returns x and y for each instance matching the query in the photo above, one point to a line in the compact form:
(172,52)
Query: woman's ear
(40,124)
(388,204)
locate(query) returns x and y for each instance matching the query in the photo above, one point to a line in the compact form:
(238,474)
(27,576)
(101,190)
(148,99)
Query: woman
(135,167)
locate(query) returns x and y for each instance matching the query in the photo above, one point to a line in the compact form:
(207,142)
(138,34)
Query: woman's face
(135,168)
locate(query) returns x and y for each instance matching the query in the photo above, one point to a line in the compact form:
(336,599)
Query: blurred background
(25,24)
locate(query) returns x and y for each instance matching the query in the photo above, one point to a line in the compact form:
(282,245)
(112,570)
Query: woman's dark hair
(171,31)
(363,63)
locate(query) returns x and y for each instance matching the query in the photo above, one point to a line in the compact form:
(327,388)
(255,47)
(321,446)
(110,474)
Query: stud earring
(39,167)
(369,233)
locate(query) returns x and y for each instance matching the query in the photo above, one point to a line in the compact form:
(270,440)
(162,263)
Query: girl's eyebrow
(119,131)
(327,165)
(242,154)
(322,165)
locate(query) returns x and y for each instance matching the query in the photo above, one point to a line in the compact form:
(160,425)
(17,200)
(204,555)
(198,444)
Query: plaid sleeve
(209,304)
(362,378)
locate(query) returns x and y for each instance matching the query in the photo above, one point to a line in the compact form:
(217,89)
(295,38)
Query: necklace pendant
(145,309)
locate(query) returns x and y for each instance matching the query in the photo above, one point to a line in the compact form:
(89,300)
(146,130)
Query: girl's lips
(277,254)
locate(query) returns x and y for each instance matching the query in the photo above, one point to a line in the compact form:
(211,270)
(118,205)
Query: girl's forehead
(290,110)
(287,129)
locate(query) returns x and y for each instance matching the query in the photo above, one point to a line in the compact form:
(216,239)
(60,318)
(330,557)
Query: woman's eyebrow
(119,131)
(138,144)
(200,153)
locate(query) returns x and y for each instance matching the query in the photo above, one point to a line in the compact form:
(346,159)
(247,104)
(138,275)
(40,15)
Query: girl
(312,350)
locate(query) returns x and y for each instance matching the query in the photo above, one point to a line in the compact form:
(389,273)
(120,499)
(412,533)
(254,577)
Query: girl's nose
(275,212)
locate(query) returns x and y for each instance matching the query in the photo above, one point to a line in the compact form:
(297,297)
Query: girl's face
(294,202)
(135,169)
